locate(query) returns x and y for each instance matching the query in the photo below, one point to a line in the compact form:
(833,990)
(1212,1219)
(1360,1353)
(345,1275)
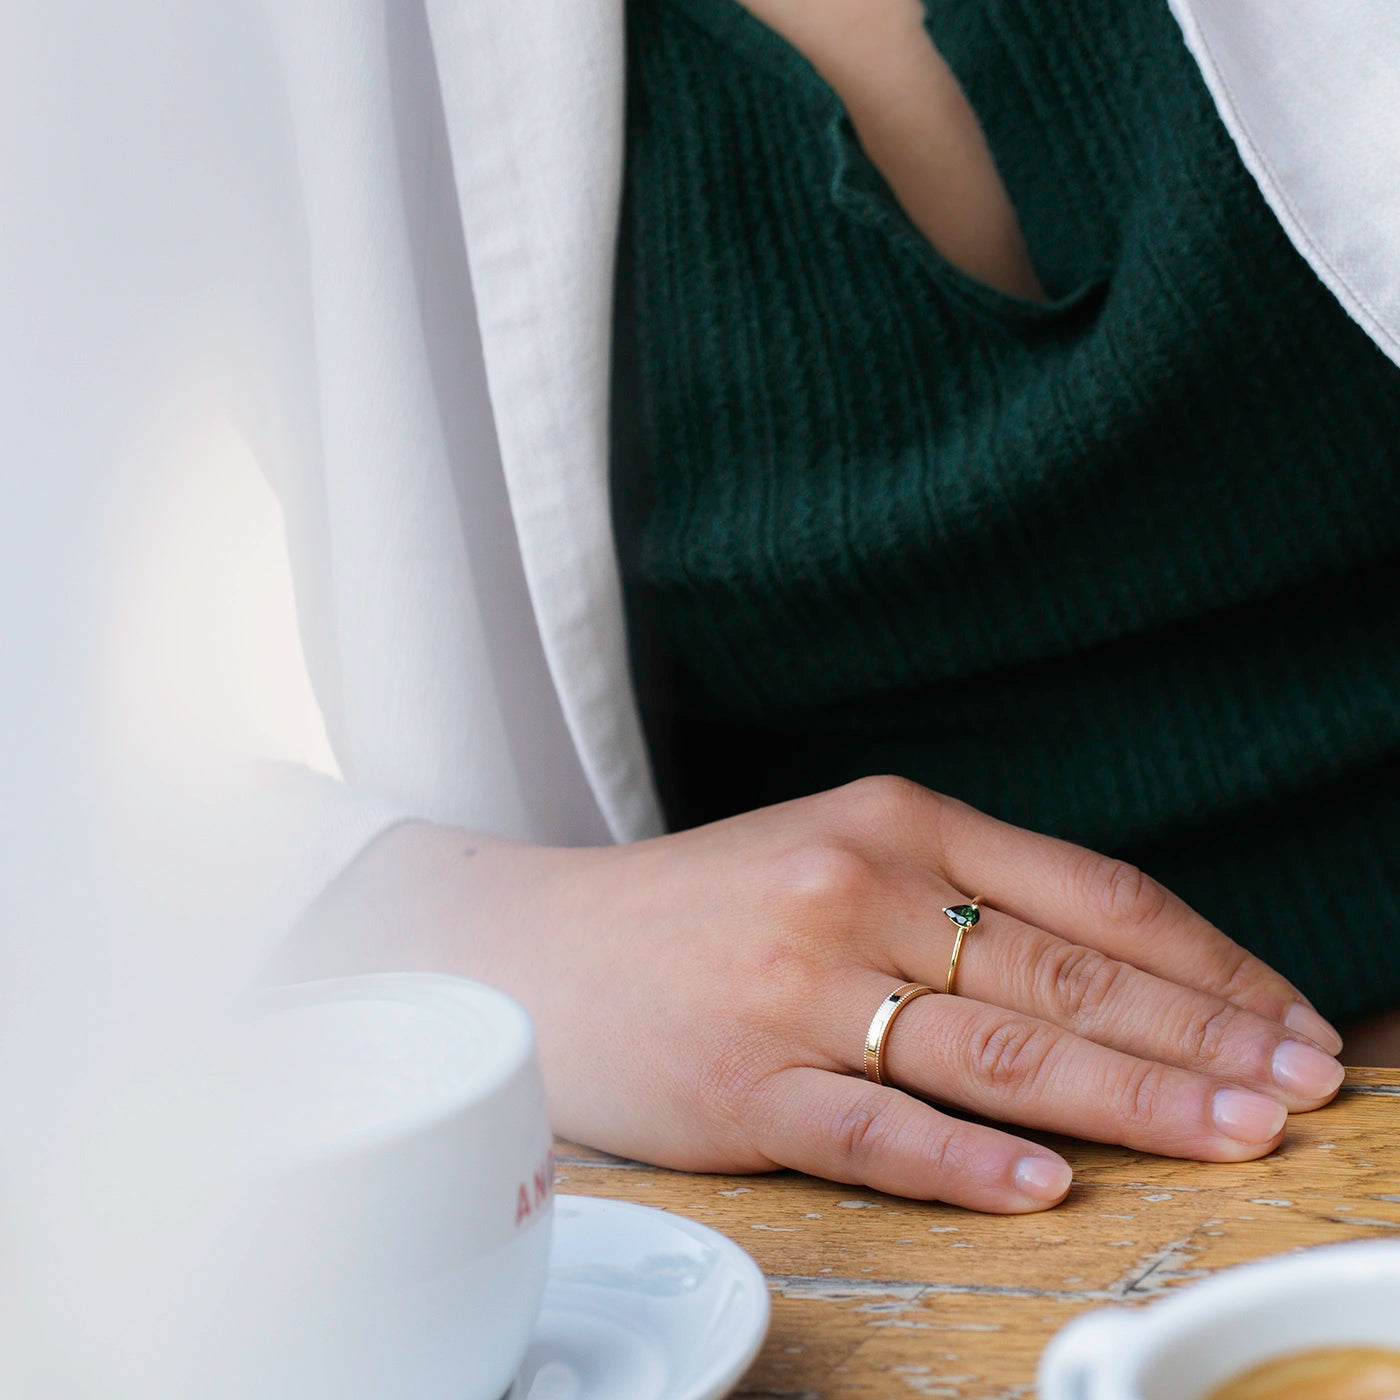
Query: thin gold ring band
(963,924)
(880,1025)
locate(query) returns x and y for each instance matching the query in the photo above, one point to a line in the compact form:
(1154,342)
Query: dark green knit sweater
(1122,568)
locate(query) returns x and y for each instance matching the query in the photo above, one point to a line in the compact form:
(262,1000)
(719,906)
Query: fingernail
(1304,1071)
(1306,1021)
(1043,1178)
(1247,1117)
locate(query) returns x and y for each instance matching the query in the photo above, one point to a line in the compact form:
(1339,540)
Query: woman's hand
(702,999)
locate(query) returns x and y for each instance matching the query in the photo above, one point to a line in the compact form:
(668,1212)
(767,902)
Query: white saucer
(642,1305)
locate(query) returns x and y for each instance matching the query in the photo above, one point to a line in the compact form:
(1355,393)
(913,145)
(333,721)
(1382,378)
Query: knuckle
(1236,975)
(1141,1095)
(858,1130)
(894,810)
(1208,1032)
(866,1131)
(821,875)
(1080,981)
(1238,972)
(949,1150)
(1013,1055)
(881,801)
(1119,891)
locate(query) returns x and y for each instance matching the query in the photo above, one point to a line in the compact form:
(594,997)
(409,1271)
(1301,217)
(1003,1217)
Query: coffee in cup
(1320,1373)
(1263,1323)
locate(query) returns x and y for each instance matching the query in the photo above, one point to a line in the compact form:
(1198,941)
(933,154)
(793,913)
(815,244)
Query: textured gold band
(879,1030)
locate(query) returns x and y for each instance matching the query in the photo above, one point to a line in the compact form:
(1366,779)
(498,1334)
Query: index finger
(1111,905)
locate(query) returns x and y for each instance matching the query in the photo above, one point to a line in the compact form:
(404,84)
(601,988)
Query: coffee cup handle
(1077,1351)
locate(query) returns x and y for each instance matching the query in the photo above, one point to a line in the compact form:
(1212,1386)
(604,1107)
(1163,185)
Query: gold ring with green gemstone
(965,916)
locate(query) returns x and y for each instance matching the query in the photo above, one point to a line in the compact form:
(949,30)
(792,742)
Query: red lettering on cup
(534,1195)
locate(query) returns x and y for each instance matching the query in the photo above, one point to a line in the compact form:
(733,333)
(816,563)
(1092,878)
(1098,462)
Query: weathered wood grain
(876,1298)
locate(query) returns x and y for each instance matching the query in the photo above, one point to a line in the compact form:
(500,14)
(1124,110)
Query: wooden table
(877,1298)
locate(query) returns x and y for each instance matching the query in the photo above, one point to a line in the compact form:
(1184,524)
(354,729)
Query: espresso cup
(1189,1343)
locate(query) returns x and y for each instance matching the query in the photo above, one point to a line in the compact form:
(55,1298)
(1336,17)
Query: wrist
(418,898)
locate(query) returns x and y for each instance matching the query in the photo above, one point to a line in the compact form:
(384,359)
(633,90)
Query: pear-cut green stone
(964,915)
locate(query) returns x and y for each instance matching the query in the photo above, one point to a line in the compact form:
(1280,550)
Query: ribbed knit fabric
(1122,567)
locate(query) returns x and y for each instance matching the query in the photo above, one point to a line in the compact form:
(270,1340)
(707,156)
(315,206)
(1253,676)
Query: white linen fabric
(1311,94)
(376,237)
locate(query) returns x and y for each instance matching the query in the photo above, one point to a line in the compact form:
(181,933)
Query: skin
(702,998)
(916,126)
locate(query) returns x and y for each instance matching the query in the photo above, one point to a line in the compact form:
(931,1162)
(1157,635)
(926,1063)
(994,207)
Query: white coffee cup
(1186,1344)
(337,1191)
(410,1148)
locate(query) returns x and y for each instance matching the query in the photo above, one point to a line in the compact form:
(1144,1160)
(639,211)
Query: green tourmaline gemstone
(964,915)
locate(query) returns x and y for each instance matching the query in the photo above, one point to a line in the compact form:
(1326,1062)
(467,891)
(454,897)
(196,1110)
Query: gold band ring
(879,1030)
(965,916)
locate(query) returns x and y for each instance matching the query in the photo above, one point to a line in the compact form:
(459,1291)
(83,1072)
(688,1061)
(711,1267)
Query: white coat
(371,242)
